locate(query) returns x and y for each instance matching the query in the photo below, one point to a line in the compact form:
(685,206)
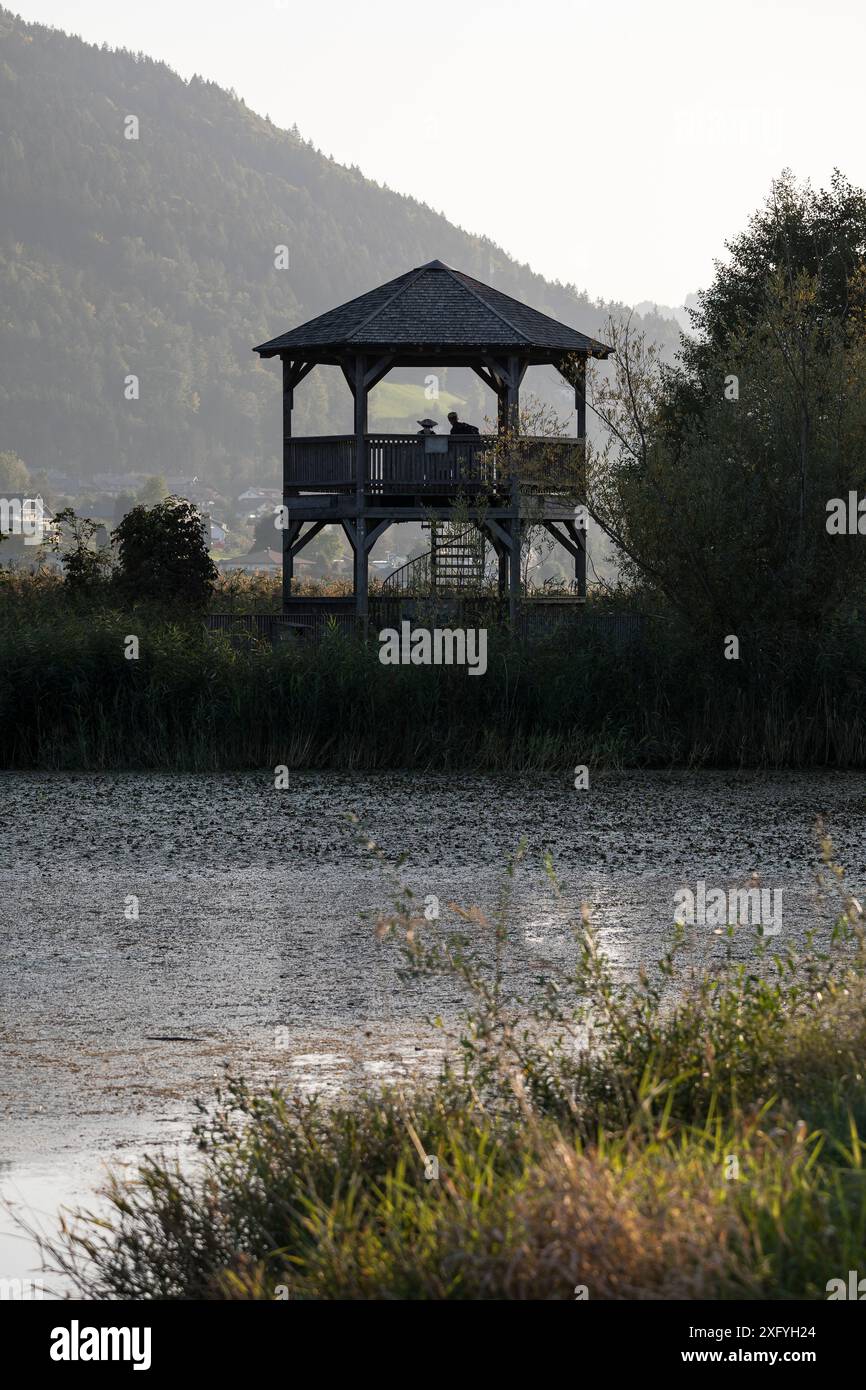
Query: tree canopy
(717,474)
(163,555)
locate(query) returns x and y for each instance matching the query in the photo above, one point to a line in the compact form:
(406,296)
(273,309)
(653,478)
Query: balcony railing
(326,460)
(413,463)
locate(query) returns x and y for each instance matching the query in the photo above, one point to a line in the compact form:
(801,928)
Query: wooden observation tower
(434,316)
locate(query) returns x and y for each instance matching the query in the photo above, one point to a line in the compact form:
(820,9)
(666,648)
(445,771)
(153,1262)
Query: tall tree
(724,508)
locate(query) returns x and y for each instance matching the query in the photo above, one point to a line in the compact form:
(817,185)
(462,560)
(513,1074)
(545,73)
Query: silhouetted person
(427,426)
(460,426)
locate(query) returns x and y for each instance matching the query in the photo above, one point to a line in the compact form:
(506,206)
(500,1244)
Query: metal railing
(455,563)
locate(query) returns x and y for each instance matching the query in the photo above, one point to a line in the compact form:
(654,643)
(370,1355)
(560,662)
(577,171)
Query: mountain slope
(155,257)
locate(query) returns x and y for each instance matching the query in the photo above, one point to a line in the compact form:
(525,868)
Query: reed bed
(70,699)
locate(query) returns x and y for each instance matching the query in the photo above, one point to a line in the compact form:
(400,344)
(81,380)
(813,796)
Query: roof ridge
(461,277)
(412,277)
(519,302)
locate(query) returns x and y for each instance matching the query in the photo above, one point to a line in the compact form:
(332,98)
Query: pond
(159,928)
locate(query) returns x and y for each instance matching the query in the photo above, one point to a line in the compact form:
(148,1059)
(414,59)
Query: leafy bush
(163,555)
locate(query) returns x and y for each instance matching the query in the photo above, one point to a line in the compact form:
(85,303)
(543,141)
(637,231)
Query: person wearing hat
(428,431)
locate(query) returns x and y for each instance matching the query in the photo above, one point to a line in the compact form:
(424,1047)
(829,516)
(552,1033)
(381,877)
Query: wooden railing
(556,466)
(324,461)
(438,463)
(429,463)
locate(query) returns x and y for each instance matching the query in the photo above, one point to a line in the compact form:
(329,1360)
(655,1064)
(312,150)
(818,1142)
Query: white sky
(615,143)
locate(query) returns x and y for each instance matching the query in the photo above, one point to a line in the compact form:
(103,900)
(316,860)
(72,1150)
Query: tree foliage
(86,564)
(722,505)
(14,475)
(798,232)
(163,554)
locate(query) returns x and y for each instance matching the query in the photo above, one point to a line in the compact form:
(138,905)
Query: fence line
(536,619)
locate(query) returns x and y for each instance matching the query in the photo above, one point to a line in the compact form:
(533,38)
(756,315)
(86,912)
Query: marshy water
(251,948)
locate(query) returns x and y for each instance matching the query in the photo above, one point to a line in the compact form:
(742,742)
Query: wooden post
(513,418)
(288,402)
(580,398)
(580,404)
(361,551)
(514,569)
(580,563)
(514,395)
(360,431)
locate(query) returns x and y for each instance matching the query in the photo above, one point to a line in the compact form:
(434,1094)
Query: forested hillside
(155,257)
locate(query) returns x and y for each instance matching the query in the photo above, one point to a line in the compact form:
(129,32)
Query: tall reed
(69,697)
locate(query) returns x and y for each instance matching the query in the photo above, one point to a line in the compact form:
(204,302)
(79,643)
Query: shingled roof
(437,307)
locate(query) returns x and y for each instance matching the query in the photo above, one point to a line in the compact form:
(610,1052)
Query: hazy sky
(614,144)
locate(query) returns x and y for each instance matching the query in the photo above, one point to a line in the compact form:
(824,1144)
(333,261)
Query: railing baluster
(401,462)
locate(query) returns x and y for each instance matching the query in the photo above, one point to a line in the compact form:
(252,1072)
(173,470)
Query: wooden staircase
(454,564)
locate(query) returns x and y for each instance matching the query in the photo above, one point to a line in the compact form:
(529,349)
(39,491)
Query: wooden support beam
(290,535)
(362,575)
(507,377)
(288,402)
(580,398)
(579,532)
(514,394)
(514,571)
(380,369)
(578,535)
(298,369)
(489,380)
(361,551)
(360,428)
(498,533)
(574,541)
(564,541)
(499,371)
(501,542)
(348,370)
(314,530)
(374,532)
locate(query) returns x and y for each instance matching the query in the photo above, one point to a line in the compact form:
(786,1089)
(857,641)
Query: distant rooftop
(434,306)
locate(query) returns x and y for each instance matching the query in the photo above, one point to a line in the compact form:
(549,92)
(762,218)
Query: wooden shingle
(434,306)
